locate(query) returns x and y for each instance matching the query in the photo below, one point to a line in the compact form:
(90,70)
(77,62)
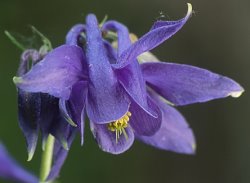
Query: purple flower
(10,170)
(40,112)
(122,98)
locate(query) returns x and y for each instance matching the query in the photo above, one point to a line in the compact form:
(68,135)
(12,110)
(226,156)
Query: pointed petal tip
(193,149)
(236,94)
(190,9)
(82,143)
(64,144)
(71,122)
(190,149)
(30,157)
(63,108)
(44,143)
(194,146)
(31,154)
(17,80)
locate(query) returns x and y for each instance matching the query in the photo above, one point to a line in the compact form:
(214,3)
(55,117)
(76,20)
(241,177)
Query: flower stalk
(47,158)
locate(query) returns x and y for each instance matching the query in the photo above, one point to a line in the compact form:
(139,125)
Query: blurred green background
(217,38)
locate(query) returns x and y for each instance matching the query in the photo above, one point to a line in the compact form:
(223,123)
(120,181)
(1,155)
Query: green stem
(47,157)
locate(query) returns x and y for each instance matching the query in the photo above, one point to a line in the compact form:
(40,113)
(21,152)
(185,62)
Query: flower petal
(71,110)
(51,120)
(60,129)
(60,154)
(143,123)
(107,100)
(56,73)
(111,52)
(64,108)
(106,139)
(49,113)
(133,82)
(72,37)
(123,34)
(10,170)
(184,84)
(130,77)
(74,108)
(174,134)
(28,117)
(152,39)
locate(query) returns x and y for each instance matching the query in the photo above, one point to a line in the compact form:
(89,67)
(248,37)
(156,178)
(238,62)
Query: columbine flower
(40,112)
(10,170)
(122,98)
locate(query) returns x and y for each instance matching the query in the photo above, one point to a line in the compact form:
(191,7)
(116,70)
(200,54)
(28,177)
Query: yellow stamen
(119,126)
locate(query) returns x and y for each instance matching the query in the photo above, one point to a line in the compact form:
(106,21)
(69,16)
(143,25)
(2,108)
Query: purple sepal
(28,118)
(174,134)
(183,84)
(142,122)
(56,73)
(152,39)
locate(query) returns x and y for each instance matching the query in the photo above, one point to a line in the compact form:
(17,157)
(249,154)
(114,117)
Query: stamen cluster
(119,126)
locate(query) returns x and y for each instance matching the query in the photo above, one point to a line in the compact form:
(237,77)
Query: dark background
(217,38)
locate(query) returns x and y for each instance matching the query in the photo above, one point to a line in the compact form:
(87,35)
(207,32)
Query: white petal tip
(194,147)
(30,156)
(236,94)
(65,144)
(31,153)
(190,9)
(17,80)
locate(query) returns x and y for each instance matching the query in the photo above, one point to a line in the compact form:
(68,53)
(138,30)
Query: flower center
(119,126)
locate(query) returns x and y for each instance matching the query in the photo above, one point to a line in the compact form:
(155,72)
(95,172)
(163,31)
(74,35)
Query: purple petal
(123,34)
(64,108)
(51,120)
(152,39)
(143,123)
(28,117)
(133,82)
(174,134)
(111,52)
(76,106)
(56,73)
(183,84)
(130,77)
(10,170)
(49,112)
(74,34)
(60,130)
(106,139)
(60,154)
(162,23)
(106,101)
(74,111)
(29,104)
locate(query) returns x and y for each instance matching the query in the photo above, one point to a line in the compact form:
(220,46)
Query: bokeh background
(217,37)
